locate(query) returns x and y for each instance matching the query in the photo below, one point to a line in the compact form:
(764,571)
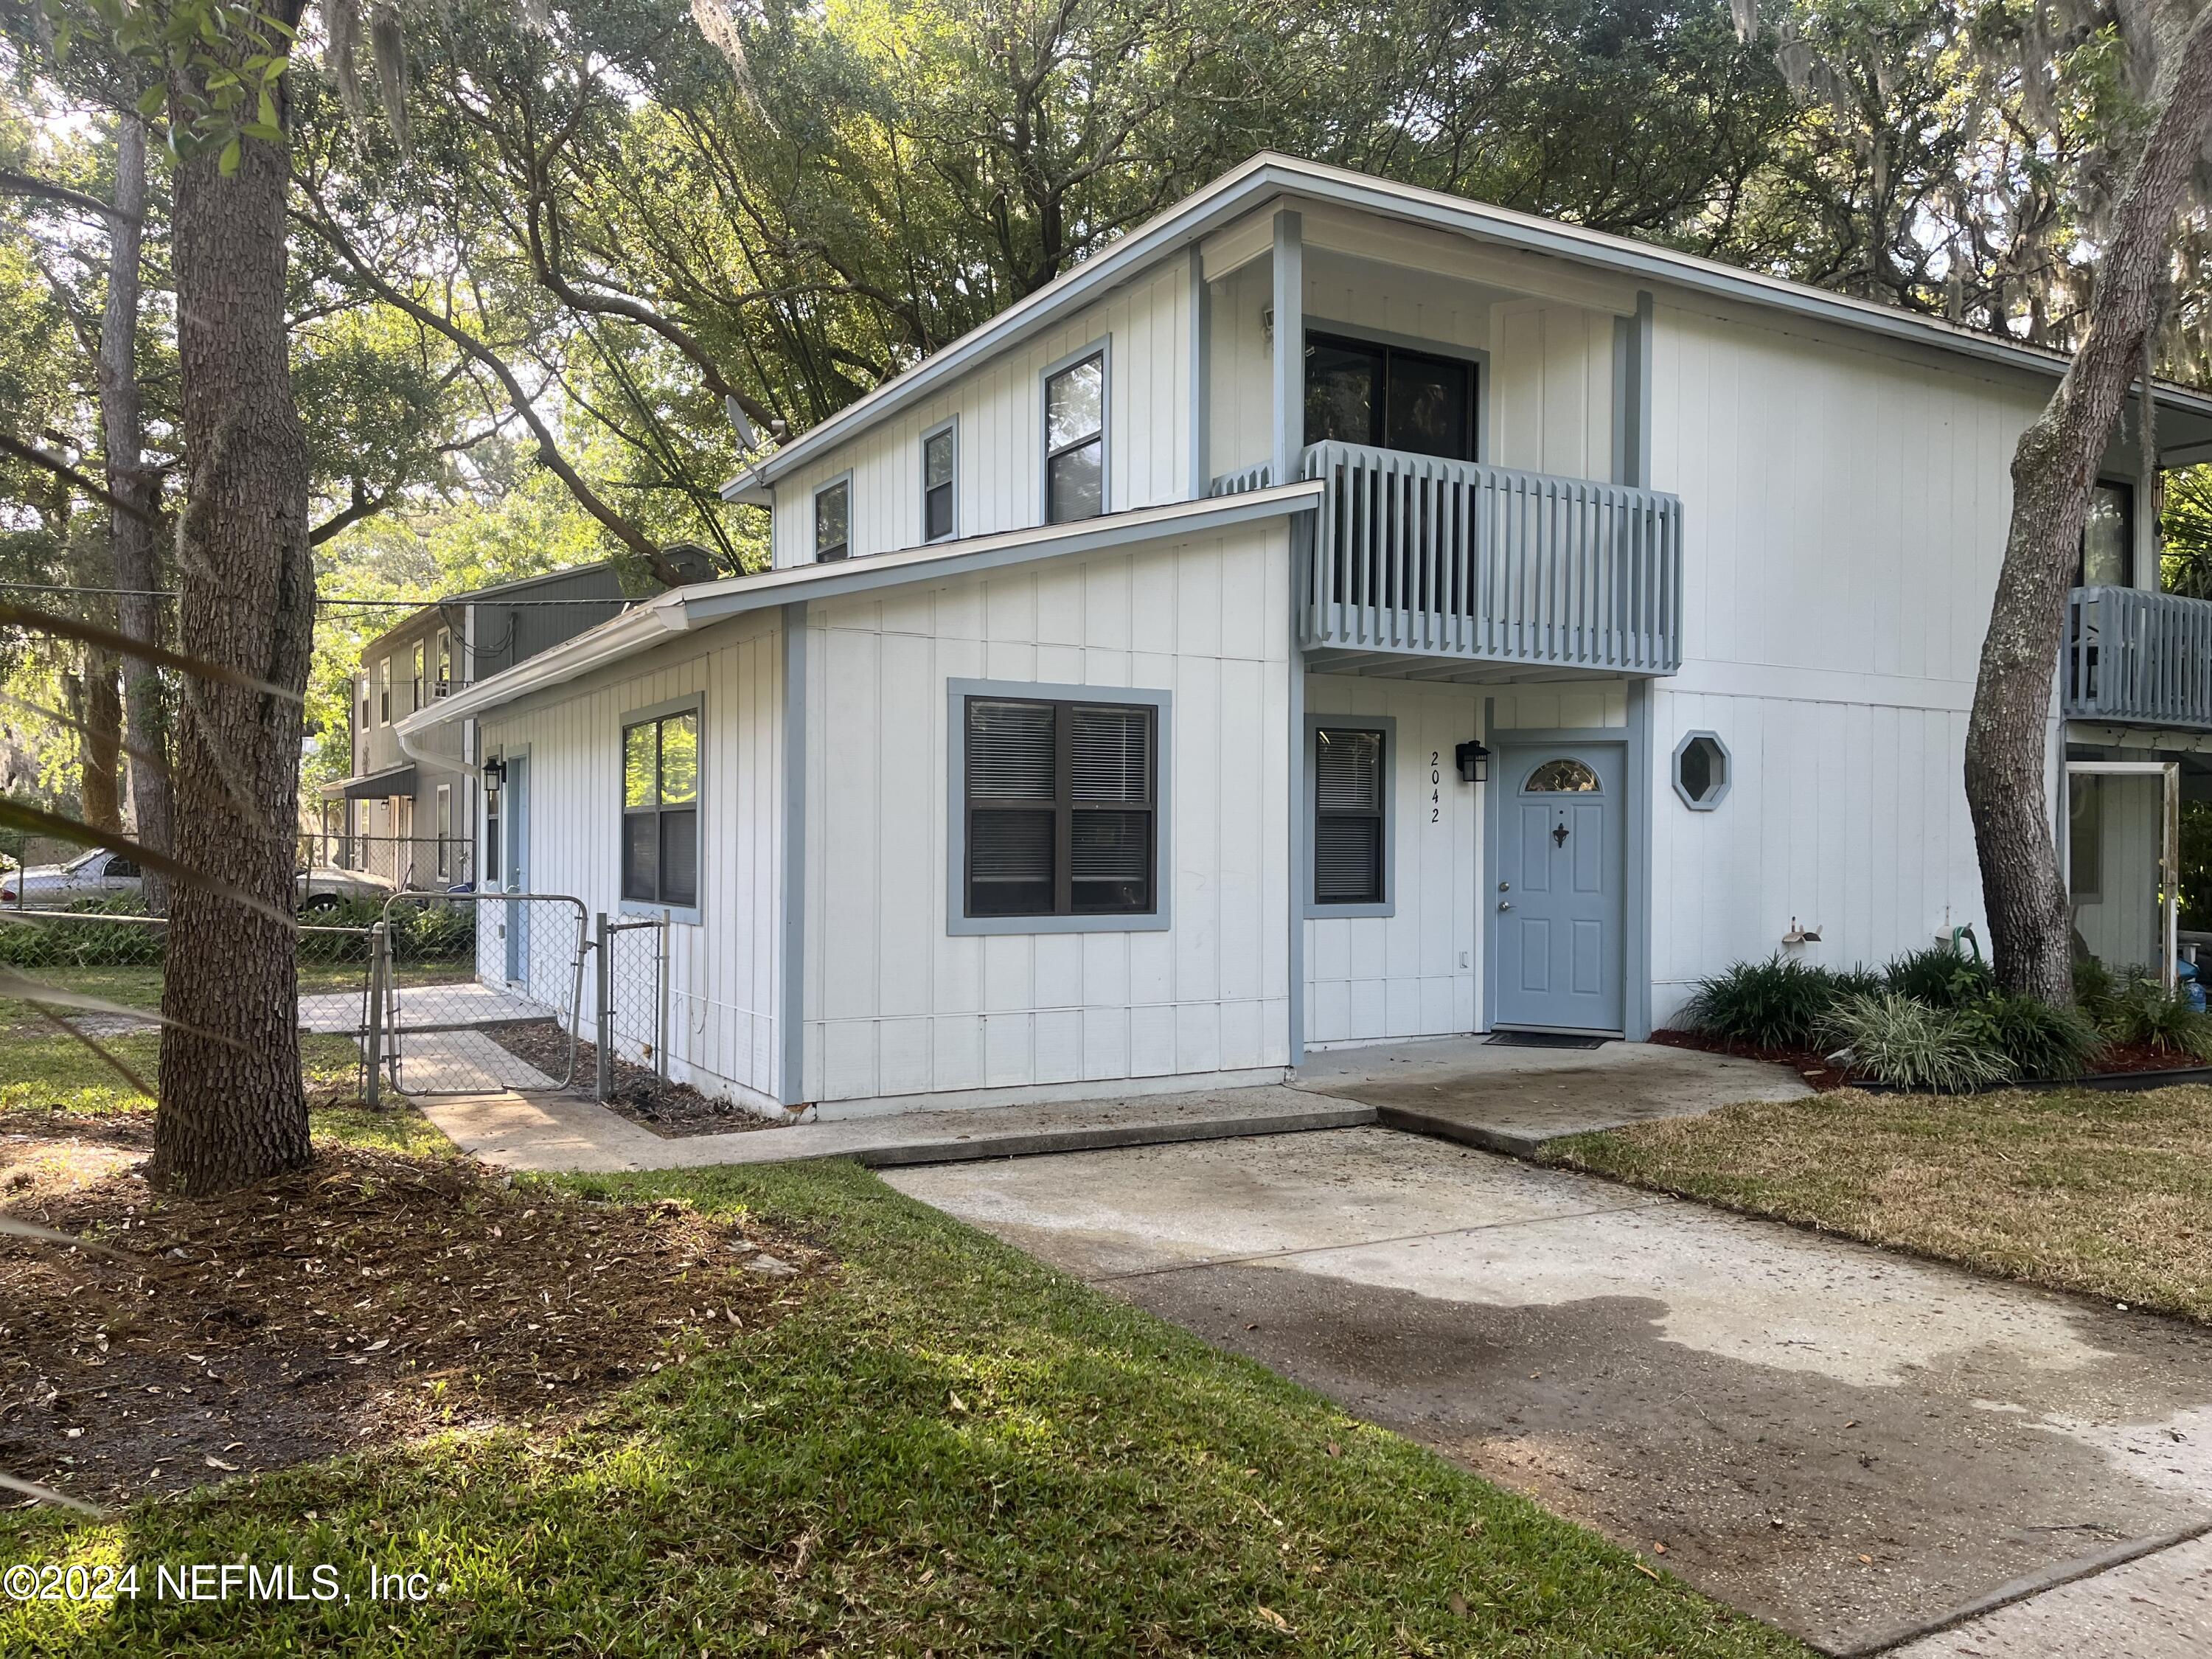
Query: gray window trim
(813,519)
(1477,356)
(691,915)
(957,922)
(1728,771)
(1388,726)
(1103,349)
(950,425)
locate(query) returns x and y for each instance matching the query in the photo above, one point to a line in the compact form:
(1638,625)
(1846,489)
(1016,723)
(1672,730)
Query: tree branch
(48,461)
(13,182)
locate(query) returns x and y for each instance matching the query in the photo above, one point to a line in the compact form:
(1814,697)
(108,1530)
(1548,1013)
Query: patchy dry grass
(2075,1190)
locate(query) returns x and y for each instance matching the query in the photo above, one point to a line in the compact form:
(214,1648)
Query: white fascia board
(695,606)
(1267,175)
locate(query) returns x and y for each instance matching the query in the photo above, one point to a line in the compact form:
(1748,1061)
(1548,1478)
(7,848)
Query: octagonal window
(1701,771)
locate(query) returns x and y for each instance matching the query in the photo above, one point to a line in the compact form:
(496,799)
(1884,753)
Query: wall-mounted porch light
(1473,762)
(494,773)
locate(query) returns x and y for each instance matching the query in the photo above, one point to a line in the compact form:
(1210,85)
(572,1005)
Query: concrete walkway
(1852,1444)
(558,1132)
(1508,1099)
(2155,1606)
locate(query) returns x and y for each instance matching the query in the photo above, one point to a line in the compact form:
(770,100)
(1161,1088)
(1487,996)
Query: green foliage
(1889,1038)
(88,944)
(1939,976)
(2196,863)
(2141,1011)
(2037,1040)
(1776,1004)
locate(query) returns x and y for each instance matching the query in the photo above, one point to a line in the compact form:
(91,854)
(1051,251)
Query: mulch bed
(1816,1068)
(370,1297)
(2116,1060)
(641,1094)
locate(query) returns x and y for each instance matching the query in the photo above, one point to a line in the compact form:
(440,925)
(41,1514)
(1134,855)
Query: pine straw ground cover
(2106,1194)
(945,1447)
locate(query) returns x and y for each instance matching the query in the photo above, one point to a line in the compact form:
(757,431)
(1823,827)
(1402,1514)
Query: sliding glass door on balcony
(1384,396)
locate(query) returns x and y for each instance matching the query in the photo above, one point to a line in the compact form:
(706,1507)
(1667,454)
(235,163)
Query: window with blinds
(1348,773)
(661,810)
(1062,807)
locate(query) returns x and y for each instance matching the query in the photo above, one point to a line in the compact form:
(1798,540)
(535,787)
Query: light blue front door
(517,830)
(1556,920)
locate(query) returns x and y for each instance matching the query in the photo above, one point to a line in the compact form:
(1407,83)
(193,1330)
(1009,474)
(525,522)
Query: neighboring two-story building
(407,815)
(1336,612)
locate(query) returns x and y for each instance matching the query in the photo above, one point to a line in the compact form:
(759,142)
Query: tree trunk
(134,555)
(232,1110)
(103,743)
(2053,471)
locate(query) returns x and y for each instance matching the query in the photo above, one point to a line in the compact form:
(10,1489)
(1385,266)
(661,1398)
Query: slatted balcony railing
(1431,557)
(2138,658)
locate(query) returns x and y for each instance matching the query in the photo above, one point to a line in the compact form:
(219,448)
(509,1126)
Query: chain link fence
(632,1002)
(421,863)
(501,1014)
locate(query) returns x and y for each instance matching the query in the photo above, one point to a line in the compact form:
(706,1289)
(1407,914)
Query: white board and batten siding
(1847,504)
(999,450)
(895,1006)
(723,971)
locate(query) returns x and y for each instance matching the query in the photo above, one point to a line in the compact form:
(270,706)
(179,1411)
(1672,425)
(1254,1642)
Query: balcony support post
(1632,395)
(1289,343)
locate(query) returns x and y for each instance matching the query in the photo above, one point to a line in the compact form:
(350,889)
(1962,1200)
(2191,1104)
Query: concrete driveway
(1851,1444)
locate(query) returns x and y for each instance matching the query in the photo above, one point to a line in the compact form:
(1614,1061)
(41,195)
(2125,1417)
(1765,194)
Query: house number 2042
(1436,782)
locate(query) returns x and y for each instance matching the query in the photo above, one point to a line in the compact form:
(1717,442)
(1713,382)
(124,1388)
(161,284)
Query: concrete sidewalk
(1508,1099)
(566,1133)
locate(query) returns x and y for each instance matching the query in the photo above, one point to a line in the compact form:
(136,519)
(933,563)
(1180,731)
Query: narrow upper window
(443,664)
(2108,539)
(1348,845)
(936,455)
(384,692)
(833,521)
(1061,808)
(1075,441)
(416,659)
(661,810)
(445,831)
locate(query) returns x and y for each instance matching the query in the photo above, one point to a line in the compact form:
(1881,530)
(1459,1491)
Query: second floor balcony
(2137,658)
(1417,555)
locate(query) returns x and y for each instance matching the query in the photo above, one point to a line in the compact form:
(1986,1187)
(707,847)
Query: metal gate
(474,993)
(632,1004)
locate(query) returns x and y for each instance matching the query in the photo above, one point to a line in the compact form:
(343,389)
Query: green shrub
(2036,1040)
(1889,1038)
(1775,1004)
(2094,988)
(2144,1012)
(1939,976)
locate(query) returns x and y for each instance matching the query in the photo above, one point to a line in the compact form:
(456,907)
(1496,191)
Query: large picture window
(661,810)
(1350,827)
(1075,439)
(1359,392)
(1061,808)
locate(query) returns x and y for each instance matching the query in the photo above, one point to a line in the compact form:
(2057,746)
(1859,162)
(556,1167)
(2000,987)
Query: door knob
(1505,904)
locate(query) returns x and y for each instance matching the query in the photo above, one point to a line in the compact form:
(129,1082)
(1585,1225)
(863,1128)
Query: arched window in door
(1561,777)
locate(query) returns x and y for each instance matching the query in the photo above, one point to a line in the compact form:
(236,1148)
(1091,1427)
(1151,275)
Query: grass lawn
(140,987)
(953,1449)
(2074,1189)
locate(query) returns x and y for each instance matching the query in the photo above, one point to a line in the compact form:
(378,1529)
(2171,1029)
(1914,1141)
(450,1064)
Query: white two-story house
(1337,612)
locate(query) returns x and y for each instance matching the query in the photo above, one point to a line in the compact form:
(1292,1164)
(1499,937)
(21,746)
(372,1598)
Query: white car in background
(103,874)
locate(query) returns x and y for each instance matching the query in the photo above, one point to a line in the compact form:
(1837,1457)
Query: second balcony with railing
(1417,555)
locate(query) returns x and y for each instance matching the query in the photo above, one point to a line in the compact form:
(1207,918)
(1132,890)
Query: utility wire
(494,600)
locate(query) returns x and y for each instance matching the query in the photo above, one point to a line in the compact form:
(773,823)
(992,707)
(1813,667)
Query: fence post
(661,1033)
(374,1045)
(602,1037)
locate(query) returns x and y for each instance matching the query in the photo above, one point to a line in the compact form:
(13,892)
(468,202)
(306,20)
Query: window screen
(937,485)
(1348,765)
(1075,441)
(1061,807)
(2108,537)
(833,521)
(661,810)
